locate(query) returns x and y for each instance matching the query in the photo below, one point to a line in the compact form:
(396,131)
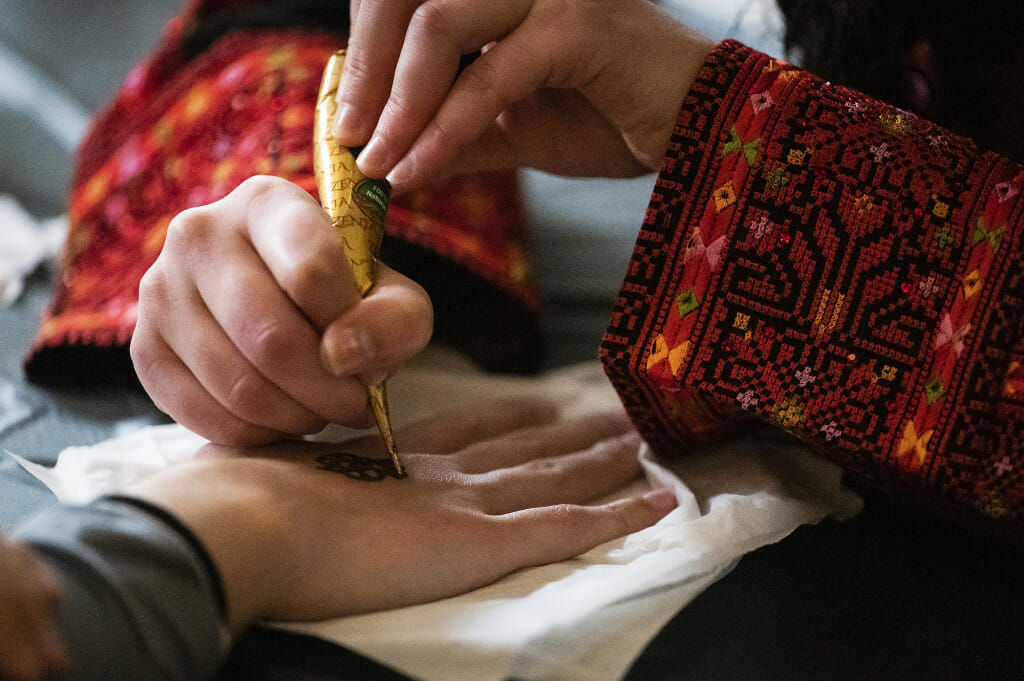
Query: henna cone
(356,206)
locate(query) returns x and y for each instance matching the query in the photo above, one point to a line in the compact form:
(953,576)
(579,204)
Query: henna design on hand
(358,467)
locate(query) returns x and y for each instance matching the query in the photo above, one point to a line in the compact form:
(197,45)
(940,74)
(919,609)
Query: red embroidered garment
(183,133)
(839,268)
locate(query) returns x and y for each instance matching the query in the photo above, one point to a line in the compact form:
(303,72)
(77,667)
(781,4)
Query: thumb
(389,326)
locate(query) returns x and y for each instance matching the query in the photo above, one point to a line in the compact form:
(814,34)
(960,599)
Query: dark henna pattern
(358,467)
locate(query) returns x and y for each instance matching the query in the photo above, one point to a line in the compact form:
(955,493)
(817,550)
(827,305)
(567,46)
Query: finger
(276,338)
(454,430)
(292,236)
(525,444)
(176,392)
(390,325)
(440,33)
(538,536)
(374,46)
(225,374)
(506,74)
(570,478)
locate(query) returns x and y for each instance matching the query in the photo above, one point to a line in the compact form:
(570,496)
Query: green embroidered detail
(687,302)
(994,237)
(943,236)
(934,390)
(777,179)
(735,144)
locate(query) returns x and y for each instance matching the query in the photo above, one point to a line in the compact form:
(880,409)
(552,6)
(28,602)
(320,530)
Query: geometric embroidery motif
(687,302)
(971,283)
(994,237)
(725,196)
(933,391)
(735,144)
(911,442)
(859,299)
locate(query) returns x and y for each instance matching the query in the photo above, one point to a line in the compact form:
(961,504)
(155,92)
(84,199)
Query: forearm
(838,267)
(140,600)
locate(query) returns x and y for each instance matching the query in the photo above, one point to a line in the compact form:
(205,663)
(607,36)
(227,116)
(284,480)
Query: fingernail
(352,351)
(662,499)
(372,157)
(346,126)
(401,173)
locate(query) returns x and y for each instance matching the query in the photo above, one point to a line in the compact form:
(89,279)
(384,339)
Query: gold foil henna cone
(356,206)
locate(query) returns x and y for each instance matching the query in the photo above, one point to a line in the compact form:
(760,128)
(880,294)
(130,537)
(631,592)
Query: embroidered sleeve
(840,268)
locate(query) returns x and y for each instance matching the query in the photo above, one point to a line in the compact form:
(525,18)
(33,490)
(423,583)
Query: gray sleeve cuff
(141,601)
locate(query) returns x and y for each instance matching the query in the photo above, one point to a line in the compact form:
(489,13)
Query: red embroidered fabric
(837,267)
(182,133)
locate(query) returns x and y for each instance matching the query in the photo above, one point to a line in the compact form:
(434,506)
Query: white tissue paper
(27,243)
(585,619)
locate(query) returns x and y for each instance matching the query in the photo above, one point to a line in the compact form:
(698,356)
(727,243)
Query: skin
(249,331)
(30,642)
(572,87)
(489,491)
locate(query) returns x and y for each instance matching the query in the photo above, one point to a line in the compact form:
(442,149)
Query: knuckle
(481,78)
(569,515)
(432,22)
(358,67)
(307,278)
(269,343)
(257,185)
(541,468)
(622,516)
(188,228)
(245,395)
(152,286)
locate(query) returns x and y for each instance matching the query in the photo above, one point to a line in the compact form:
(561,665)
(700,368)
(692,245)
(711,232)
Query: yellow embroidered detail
(1011,383)
(912,442)
(789,413)
(796,157)
(894,124)
(659,351)
(863,203)
(971,283)
(677,355)
(725,196)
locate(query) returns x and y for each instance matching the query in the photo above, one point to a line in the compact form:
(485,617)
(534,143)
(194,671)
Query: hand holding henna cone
(356,206)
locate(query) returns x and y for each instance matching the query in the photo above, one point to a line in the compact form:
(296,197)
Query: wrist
(237,526)
(657,80)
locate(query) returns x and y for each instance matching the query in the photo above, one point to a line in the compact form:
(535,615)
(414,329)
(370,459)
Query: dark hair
(977,86)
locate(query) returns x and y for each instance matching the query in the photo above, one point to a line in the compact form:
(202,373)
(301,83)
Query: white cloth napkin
(26,243)
(584,619)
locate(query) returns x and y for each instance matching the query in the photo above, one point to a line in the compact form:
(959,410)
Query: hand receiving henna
(250,326)
(299,533)
(574,87)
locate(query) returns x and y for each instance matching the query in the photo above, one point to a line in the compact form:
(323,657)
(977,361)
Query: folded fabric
(584,619)
(27,243)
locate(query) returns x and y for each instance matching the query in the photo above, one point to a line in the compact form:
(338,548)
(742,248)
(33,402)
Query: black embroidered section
(358,467)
